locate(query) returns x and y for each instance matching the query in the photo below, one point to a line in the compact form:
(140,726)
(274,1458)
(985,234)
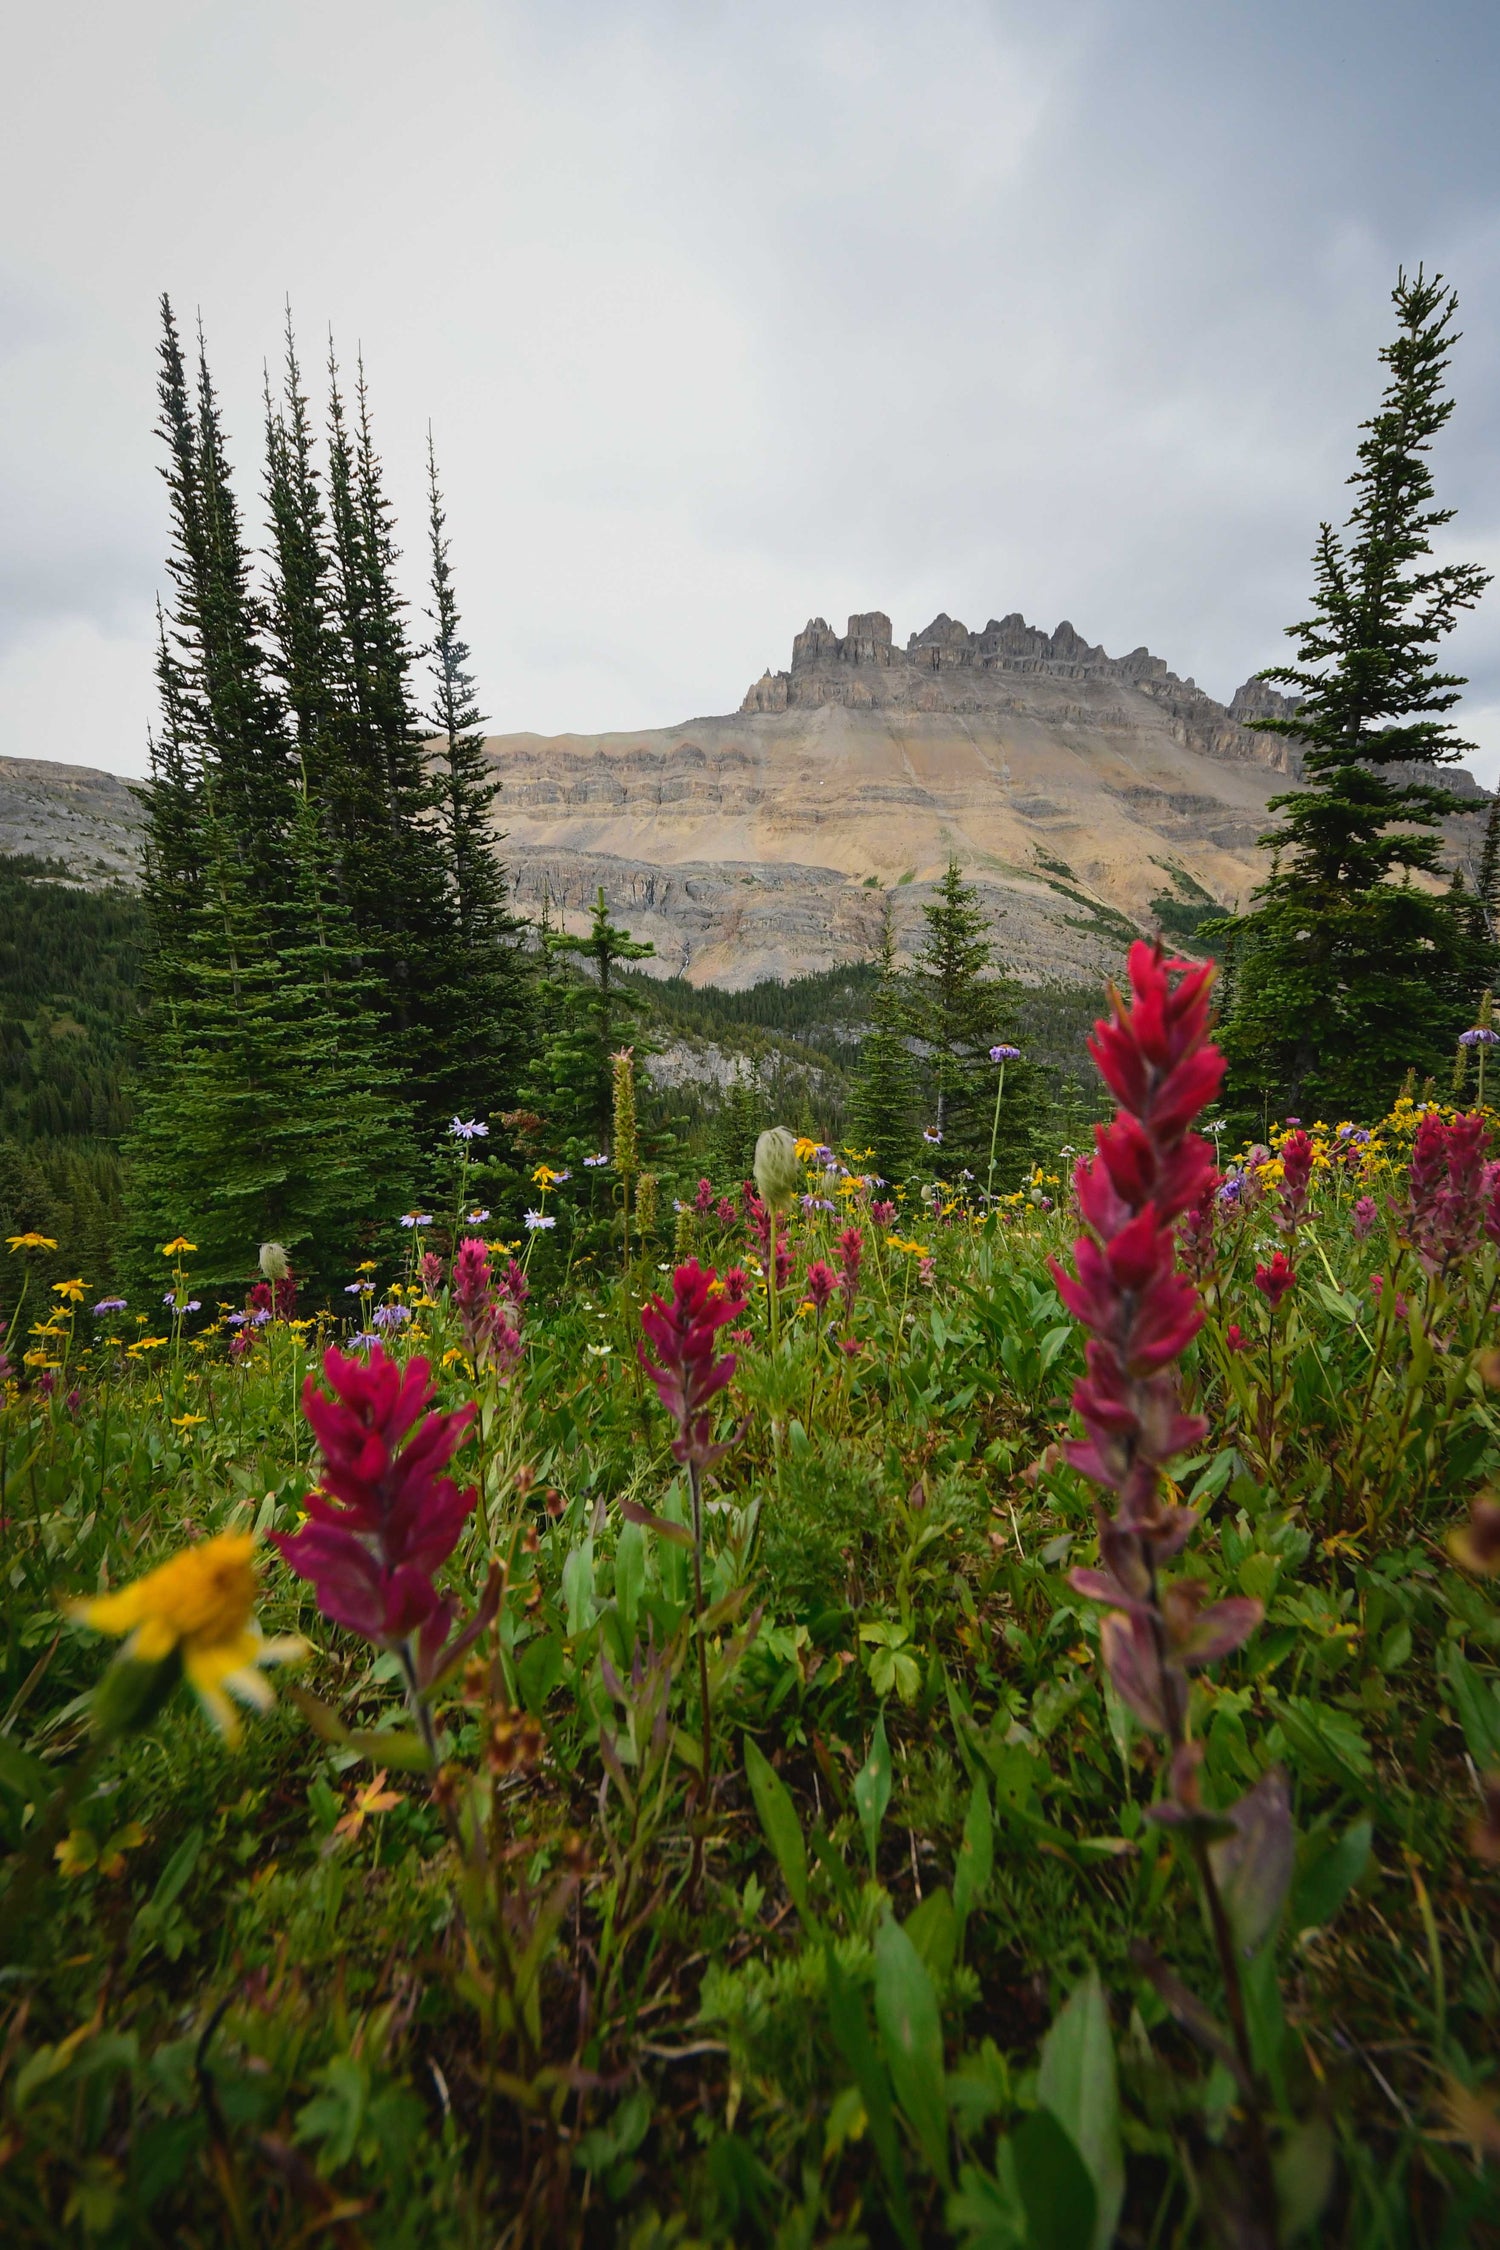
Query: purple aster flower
(469,1129)
(391,1316)
(1005,1054)
(476,1218)
(931,1136)
(1480,1036)
(416,1218)
(538,1219)
(110,1304)
(592,1163)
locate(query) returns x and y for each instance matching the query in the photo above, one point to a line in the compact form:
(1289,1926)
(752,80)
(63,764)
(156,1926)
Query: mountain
(1075,788)
(1086,795)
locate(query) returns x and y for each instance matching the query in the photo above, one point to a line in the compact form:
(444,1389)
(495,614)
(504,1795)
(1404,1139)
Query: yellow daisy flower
(198,1607)
(31,1242)
(178,1244)
(73,1291)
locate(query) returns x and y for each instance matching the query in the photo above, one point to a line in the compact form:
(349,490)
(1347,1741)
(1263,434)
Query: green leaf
(1332,1868)
(1478,1710)
(933,1930)
(778,1817)
(851,2034)
(539,1669)
(23,1775)
(1077,2083)
(177,1870)
(1395,1649)
(976,1854)
(578,1588)
(872,1788)
(392,1746)
(1062,2208)
(911,2039)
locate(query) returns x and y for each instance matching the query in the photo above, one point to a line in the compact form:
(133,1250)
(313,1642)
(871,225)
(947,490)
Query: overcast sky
(725,315)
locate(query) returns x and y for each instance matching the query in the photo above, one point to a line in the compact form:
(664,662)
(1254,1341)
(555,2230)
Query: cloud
(724,317)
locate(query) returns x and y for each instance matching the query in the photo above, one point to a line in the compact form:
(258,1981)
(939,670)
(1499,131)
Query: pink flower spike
(685,1371)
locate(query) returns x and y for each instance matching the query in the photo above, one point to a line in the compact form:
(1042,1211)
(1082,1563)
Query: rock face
(947,668)
(1072,786)
(88,819)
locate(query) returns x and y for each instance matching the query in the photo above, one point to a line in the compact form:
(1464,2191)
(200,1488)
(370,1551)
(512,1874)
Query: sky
(727,316)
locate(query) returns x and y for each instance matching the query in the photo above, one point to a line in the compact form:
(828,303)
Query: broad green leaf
(23,1775)
(933,1930)
(1478,1709)
(1062,2208)
(851,2033)
(392,1746)
(177,1870)
(1076,2081)
(539,1670)
(976,1854)
(911,2039)
(1305,2168)
(1333,1866)
(630,1576)
(578,1588)
(778,1817)
(872,1788)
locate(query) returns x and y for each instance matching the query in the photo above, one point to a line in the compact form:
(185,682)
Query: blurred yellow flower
(31,1242)
(198,1607)
(178,1244)
(187,1421)
(73,1292)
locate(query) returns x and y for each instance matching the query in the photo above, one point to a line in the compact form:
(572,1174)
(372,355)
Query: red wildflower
(685,1371)
(432,1273)
(736,1287)
(882,1213)
(821,1283)
(851,1251)
(1296,1178)
(384,1516)
(1273,1281)
(1141,1313)
(1235,1337)
(724,1211)
(1448,1203)
(703,1201)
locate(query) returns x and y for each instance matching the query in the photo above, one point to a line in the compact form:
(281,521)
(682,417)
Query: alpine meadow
(852,1613)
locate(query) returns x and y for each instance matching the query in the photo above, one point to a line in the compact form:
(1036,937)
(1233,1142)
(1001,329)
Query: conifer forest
(902,1650)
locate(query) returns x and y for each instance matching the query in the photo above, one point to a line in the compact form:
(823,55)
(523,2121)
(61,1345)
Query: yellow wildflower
(145,1344)
(178,1244)
(72,1291)
(31,1242)
(198,1607)
(187,1421)
(806,1148)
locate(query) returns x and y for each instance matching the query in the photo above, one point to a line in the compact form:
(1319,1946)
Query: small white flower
(538,1219)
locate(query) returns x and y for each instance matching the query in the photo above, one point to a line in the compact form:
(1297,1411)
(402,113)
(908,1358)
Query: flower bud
(275,1263)
(624,1135)
(778,1174)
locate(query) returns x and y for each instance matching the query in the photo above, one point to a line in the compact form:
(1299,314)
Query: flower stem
(989,1185)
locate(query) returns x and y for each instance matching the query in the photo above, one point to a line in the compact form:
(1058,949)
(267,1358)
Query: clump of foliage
(771,1801)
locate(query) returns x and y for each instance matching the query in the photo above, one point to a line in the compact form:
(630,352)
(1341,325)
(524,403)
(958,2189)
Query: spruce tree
(882,1103)
(594,1014)
(959,1008)
(382,801)
(1348,971)
(493,966)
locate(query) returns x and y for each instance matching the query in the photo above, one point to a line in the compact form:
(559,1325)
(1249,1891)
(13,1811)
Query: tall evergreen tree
(1348,972)
(959,1008)
(493,965)
(383,799)
(883,1100)
(594,1014)
(255,1071)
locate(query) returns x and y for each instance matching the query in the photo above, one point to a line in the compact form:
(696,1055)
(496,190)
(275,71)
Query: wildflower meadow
(851,1714)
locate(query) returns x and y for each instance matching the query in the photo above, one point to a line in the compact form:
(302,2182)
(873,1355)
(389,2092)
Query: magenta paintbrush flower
(384,1516)
(685,1370)
(1142,1314)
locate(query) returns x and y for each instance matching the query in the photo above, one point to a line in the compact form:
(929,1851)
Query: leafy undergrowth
(902,1978)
